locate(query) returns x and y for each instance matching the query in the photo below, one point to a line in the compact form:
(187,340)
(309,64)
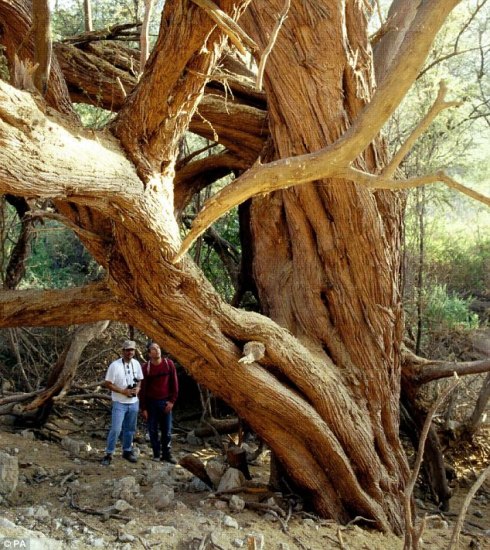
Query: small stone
(197,485)
(309,522)
(220,504)
(99,543)
(9,474)
(41,513)
(193,440)
(160,496)
(237,543)
(231,479)
(162,530)
(121,505)
(478,514)
(73,446)
(437,523)
(126,537)
(236,504)
(228,521)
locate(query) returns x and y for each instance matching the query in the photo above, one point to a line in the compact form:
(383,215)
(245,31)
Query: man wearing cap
(123,378)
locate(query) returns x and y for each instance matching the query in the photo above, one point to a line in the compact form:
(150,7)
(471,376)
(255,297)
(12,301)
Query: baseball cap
(129,344)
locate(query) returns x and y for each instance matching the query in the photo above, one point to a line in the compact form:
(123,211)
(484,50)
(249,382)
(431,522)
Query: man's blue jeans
(124,418)
(159,421)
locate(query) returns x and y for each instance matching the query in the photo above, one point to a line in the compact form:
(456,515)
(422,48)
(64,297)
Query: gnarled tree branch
(88,304)
(330,161)
(91,164)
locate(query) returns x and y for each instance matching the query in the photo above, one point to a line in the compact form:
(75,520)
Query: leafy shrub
(446,311)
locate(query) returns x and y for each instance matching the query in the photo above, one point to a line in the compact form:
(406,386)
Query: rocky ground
(64,498)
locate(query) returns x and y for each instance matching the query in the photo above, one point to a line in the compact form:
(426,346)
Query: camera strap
(126,373)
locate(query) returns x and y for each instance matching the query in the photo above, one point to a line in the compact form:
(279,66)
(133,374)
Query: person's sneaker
(130,456)
(156,459)
(167,457)
(106,460)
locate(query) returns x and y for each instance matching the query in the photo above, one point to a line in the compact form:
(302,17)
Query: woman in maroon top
(158,393)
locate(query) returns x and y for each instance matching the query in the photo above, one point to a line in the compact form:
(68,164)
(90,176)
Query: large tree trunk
(327,271)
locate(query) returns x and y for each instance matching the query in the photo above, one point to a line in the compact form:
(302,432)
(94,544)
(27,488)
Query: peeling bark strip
(227,25)
(323,389)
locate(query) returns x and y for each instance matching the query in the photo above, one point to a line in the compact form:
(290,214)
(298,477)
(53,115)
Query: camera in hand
(133,385)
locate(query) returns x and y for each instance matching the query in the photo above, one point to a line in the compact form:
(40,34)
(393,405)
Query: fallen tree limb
(104,513)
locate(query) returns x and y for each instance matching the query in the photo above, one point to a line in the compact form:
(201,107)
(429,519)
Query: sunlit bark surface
(326,254)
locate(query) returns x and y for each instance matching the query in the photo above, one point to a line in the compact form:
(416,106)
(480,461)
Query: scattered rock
(436,523)
(121,506)
(181,506)
(9,474)
(162,530)
(232,479)
(192,439)
(126,489)
(41,513)
(72,445)
(237,504)
(215,470)
(160,496)
(309,522)
(197,486)
(27,434)
(126,537)
(228,521)
(220,504)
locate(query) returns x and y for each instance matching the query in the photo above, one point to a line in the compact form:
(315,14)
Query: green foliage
(68,16)
(462,264)
(93,117)
(445,311)
(210,261)
(58,259)
(68,19)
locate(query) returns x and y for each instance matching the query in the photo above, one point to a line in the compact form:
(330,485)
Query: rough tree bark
(325,394)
